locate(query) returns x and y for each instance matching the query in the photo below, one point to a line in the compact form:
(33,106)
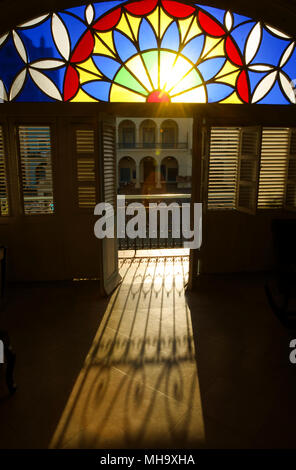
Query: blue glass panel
(11,63)
(39,42)
(106,65)
(290,67)
(215,12)
(241,33)
(218,92)
(78,11)
(209,68)
(103,7)
(57,76)
(275,96)
(147,39)
(238,19)
(98,90)
(124,46)
(193,49)
(75,28)
(270,50)
(255,78)
(171,38)
(31,93)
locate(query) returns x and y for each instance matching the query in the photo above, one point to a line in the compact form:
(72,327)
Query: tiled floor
(139,384)
(152,366)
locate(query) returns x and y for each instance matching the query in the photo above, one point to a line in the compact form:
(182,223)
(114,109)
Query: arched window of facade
(127,134)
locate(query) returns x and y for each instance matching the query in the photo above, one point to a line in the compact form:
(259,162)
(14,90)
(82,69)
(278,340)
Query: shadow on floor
(150,366)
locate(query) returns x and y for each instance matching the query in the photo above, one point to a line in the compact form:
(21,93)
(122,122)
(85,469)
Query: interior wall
(238,242)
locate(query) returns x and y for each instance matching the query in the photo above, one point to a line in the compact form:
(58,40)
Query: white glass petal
(45,84)
(264,86)
(33,22)
(19,46)
(260,67)
(2,38)
(289,88)
(89,13)
(228,20)
(17,84)
(47,64)
(277,32)
(3,94)
(287,54)
(60,36)
(253,43)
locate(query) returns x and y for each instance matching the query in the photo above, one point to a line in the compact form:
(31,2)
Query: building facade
(154,155)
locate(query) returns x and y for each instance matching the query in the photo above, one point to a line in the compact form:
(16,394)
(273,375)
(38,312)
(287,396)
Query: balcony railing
(153,145)
(158,242)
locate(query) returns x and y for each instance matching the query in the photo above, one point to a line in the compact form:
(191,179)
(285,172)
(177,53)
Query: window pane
(36,169)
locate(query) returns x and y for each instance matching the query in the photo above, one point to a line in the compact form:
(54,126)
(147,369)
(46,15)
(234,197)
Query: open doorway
(155,166)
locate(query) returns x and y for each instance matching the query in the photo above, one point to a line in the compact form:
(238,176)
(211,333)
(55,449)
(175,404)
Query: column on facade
(138,179)
(157,176)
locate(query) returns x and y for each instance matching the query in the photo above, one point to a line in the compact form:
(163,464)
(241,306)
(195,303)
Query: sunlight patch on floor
(139,384)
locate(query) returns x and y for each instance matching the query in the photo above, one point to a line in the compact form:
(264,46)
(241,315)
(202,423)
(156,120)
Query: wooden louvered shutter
(291,172)
(205,147)
(4,203)
(85,150)
(273,167)
(109,255)
(223,161)
(36,169)
(248,169)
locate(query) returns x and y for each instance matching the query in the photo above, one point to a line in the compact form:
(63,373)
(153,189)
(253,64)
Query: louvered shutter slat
(86,168)
(224,150)
(291,172)
(4,204)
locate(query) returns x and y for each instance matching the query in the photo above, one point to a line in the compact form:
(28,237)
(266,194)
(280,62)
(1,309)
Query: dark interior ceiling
(279,13)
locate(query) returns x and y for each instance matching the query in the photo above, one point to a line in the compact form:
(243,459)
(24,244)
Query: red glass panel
(84,48)
(243,86)
(71,83)
(177,9)
(108,21)
(209,25)
(141,8)
(158,97)
(233,52)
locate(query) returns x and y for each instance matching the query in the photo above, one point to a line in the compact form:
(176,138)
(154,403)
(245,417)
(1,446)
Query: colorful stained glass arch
(147,51)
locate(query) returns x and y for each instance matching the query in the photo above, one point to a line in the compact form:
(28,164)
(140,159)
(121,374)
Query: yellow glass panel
(174,75)
(136,66)
(184,26)
(134,24)
(213,47)
(165,21)
(228,79)
(101,48)
(120,94)
(82,97)
(151,62)
(167,60)
(107,38)
(124,27)
(227,68)
(86,76)
(190,81)
(198,95)
(194,31)
(232,99)
(153,18)
(90,67)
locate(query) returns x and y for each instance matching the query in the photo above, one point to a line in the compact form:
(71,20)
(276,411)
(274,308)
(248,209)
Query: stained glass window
(147,51)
